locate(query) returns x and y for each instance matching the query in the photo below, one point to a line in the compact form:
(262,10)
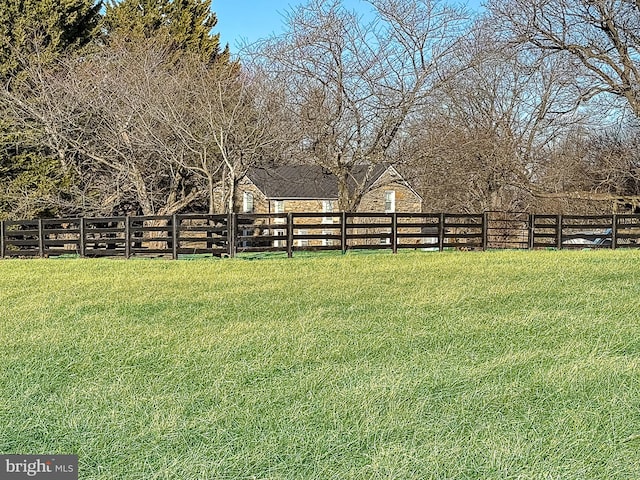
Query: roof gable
(299,181)
(308,181)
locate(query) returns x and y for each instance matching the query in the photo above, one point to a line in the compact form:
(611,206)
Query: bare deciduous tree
(602,39)
(98,113)
(603,36)
(477,146)
(597,171)
(228,120)
(351,85)
(147,131)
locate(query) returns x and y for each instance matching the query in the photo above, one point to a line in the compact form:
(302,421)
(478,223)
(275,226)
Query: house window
(389,201)
(303,242)
(279,243)
(326,242)
(278,207)
(247,202)
(327,207)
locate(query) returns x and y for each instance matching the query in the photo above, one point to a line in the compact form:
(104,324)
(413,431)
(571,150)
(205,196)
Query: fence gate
(508,230)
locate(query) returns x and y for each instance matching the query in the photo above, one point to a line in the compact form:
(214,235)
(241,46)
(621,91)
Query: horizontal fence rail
(186,235)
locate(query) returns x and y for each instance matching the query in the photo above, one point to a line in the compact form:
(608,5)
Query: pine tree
(45,28)
(187,24)
(34,33)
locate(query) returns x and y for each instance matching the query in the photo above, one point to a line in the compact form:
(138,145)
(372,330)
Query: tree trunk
(231,192)
(344,200)
(141,192)
(212,203)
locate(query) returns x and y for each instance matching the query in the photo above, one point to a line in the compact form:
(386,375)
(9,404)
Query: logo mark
(45,467)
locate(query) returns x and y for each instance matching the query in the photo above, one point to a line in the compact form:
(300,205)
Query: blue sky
(241,21)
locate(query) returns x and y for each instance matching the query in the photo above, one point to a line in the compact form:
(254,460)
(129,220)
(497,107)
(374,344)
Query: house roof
(305,181)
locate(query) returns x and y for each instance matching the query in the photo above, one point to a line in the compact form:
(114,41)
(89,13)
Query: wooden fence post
(441,232)
(236,233)
(394,232)
(209,235)
(343,232)
(485,230)
(174,236)
(559,232)
(289,234)
(40,238)
(3,246)
(614,231)
(532,231)
(127,236)
(231,234)
(83,244)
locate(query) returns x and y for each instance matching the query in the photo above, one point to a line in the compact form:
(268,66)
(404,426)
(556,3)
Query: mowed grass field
(496,365)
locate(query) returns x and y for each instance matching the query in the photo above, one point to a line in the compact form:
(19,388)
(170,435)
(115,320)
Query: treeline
(135,107)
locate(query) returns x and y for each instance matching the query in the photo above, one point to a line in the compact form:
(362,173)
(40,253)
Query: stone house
(312,189)
(309,188)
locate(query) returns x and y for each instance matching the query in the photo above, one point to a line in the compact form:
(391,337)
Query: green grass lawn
(497,365)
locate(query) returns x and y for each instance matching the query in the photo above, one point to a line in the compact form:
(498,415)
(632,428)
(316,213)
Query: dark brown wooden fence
(226,235)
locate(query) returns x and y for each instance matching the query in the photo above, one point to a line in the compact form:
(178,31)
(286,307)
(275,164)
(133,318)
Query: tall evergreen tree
(43,27)
(33,33)
(188,24)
